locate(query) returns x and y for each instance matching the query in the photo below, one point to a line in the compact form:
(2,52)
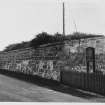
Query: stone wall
(44,61)
(76,54)
(48,60)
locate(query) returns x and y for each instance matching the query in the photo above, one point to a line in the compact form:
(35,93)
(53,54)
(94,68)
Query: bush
(45,38)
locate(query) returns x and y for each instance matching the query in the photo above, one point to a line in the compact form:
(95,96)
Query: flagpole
(63,19)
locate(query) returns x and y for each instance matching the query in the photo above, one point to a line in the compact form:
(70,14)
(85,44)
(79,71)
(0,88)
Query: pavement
(18,89)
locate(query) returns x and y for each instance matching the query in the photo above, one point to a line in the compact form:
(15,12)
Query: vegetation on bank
(45,38)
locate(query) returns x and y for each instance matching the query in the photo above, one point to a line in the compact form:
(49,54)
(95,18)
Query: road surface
(15,90)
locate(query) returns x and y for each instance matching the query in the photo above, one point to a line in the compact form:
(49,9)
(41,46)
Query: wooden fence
(94,82)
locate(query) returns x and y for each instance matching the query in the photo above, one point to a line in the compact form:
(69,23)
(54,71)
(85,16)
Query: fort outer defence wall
(44,61)
(49,60)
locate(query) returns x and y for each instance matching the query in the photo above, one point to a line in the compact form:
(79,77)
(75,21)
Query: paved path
(13,89)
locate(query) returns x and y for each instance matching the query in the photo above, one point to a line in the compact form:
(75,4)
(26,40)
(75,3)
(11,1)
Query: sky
(21,20)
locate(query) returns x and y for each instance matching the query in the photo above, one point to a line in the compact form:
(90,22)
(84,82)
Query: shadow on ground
(51,84)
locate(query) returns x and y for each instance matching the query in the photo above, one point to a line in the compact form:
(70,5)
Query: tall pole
(63,19)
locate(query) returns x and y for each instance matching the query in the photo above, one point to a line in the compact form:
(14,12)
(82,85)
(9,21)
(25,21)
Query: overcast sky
(21,20)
